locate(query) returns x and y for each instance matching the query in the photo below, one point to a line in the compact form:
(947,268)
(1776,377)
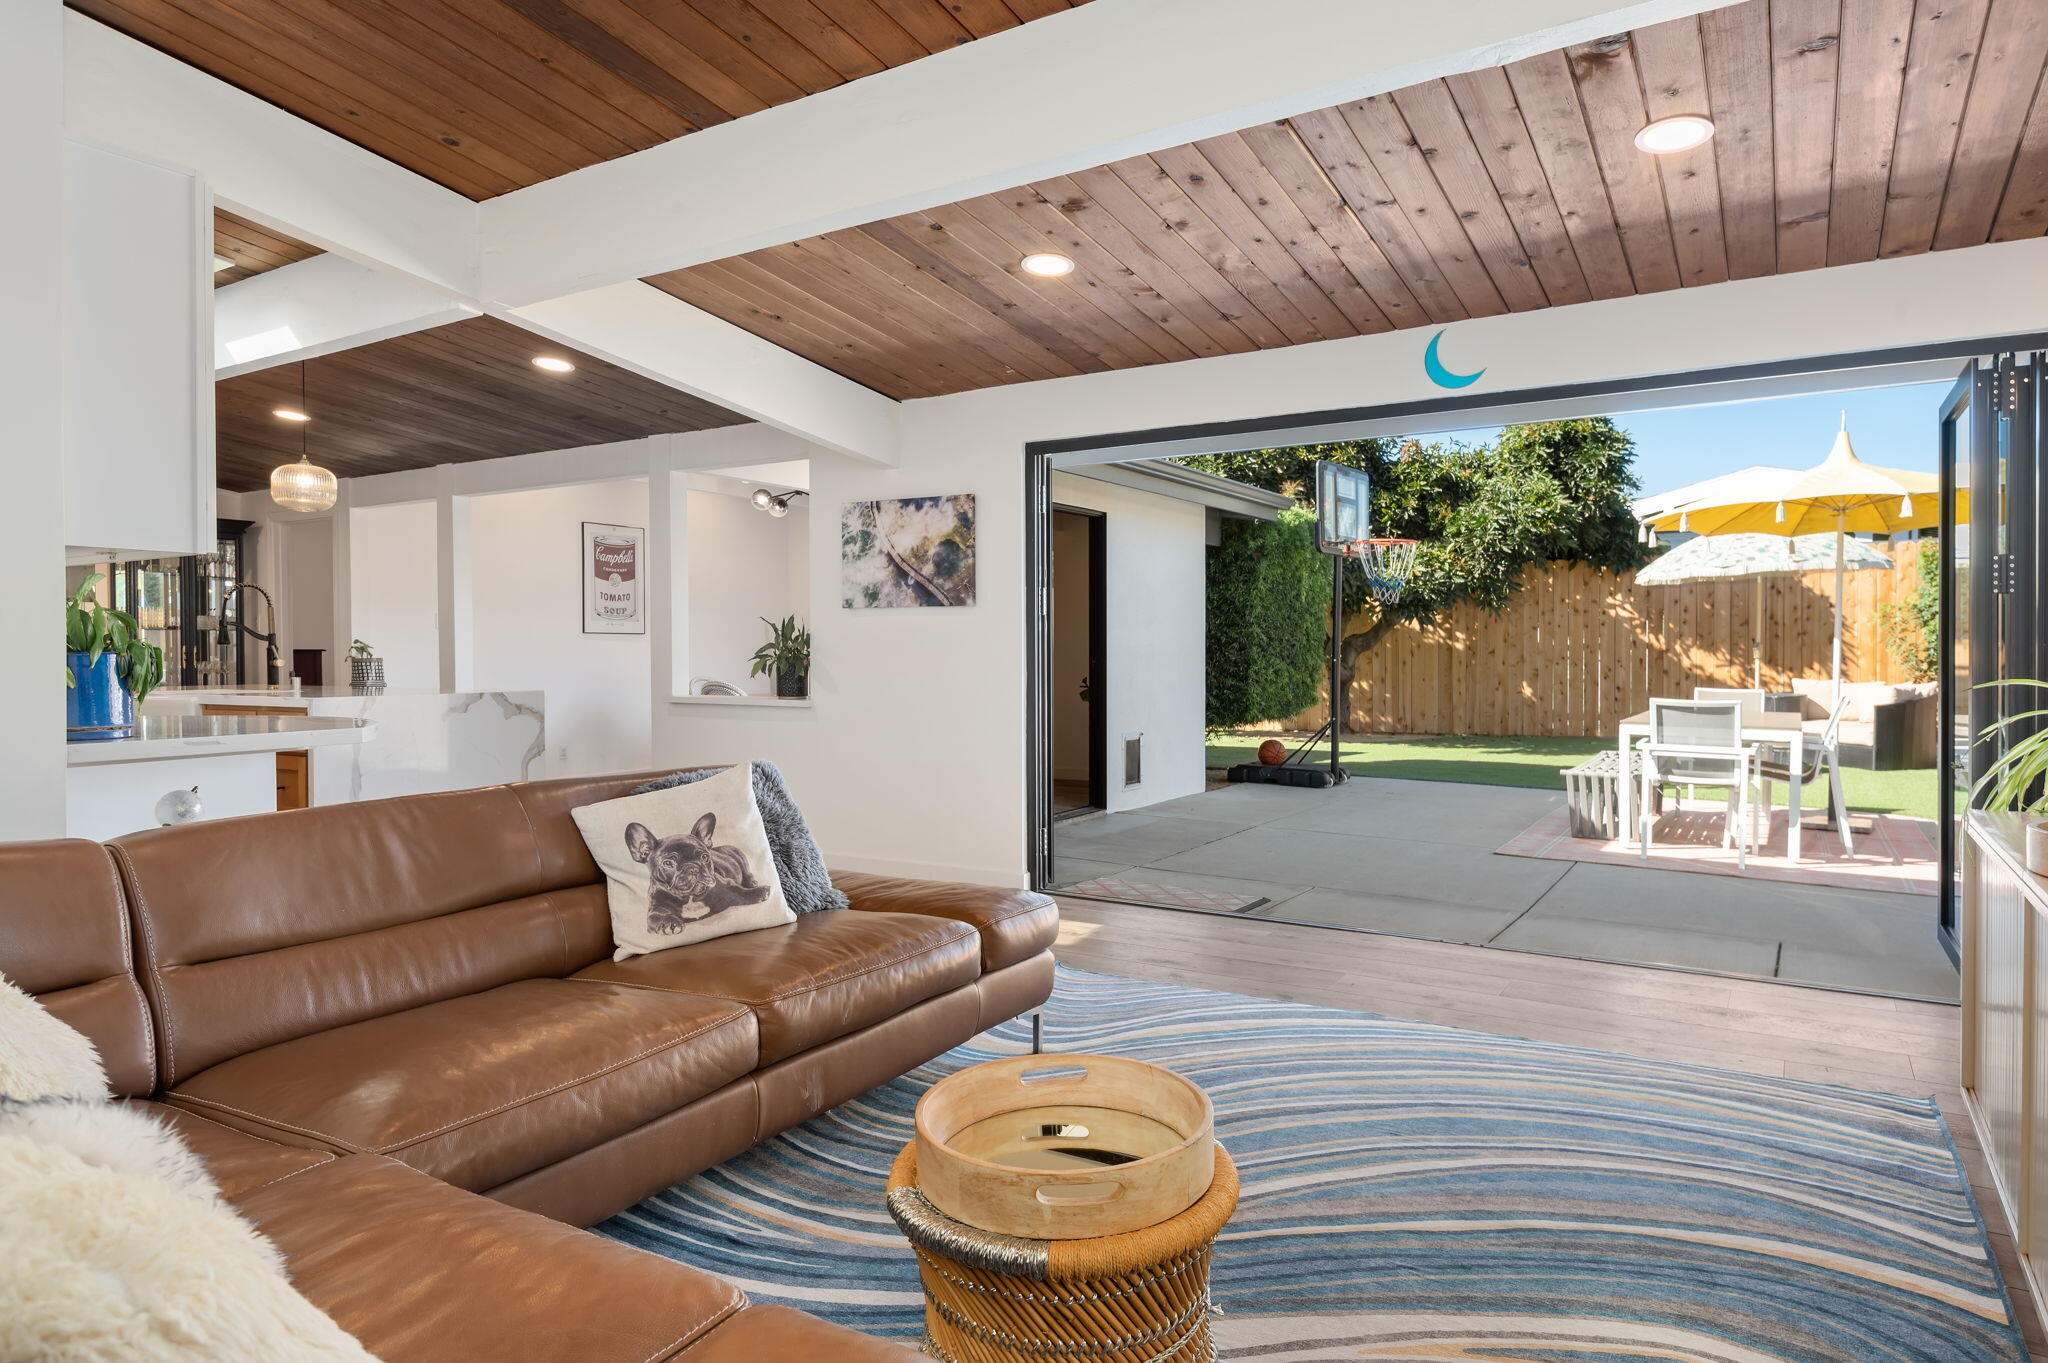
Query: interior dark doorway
(1079,656)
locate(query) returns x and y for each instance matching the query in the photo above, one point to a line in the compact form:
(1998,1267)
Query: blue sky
(1894,427)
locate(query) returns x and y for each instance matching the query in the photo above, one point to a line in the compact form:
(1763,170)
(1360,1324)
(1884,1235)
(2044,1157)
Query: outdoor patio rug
(1417,1192)
(1168,896)
(1899,854)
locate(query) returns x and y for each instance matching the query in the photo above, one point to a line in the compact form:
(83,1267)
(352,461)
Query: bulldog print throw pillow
(685,864)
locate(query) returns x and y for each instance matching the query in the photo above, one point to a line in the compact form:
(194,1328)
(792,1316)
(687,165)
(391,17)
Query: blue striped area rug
(1414,1192)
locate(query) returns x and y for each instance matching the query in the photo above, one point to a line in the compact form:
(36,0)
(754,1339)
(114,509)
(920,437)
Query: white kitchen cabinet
(2005,1028)
(138,357)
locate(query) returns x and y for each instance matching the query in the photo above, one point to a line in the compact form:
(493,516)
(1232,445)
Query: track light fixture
(776,506)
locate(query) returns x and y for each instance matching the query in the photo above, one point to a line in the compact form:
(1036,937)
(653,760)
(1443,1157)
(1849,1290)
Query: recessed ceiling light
(221,263)
(554,364)
(1047,264)
(1669,135)
(288,414)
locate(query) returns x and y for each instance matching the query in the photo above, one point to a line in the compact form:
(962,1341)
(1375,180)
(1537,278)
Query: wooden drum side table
(1138,1297)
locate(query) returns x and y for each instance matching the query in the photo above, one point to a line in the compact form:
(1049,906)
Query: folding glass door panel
(1992,589)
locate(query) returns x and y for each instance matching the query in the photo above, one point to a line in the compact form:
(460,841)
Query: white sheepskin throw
(102,1265)
(41,1057)
(115,1246)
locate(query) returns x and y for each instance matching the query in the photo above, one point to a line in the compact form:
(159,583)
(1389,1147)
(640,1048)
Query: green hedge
(1269,607)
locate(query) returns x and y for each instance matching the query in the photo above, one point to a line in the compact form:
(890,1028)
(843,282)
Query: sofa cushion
(1015,925)
(423,1273)
(760,1333)
(828,973)
(238,1162)
(480,1089)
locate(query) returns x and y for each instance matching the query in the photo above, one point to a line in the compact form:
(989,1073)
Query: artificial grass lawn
(1534,762)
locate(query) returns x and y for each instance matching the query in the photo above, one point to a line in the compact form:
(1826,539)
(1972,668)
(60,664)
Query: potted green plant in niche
(365,668)
(788,655)
(2017,781)
(108,666)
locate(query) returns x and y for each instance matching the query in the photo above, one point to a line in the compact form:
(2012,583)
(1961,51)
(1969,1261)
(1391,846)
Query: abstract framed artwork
(910,551)
(614,587)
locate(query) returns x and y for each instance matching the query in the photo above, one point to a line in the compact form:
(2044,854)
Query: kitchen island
(230,761)
(425,740)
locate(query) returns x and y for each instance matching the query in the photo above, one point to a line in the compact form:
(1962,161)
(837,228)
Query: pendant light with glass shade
(303,486)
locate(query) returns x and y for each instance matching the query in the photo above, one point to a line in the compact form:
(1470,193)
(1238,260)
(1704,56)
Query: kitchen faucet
(274,664)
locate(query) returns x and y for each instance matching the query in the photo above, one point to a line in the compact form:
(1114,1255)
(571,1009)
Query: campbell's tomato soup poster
(614,580)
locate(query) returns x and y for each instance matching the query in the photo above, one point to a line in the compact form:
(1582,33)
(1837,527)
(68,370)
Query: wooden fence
(1578,650)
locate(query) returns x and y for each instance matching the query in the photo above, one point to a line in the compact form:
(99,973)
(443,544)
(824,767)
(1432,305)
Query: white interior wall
(305,590)
(392,572)
(743,566)
(526,615)
(1155,559)
(31,396)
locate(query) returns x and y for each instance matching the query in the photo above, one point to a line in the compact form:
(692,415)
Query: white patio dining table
(1770,727)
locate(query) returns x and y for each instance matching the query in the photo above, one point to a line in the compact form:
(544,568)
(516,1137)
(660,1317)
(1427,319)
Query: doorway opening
(1192,849)
(1080,631)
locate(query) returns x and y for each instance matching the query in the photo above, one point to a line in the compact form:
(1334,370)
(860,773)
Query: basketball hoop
(1388,564)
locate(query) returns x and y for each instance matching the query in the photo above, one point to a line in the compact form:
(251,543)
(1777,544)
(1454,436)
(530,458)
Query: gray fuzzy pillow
(806,886)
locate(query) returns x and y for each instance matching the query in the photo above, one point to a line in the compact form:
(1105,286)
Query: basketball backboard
(1343,504)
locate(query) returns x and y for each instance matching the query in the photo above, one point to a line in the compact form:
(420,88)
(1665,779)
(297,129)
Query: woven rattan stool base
(1141,1297)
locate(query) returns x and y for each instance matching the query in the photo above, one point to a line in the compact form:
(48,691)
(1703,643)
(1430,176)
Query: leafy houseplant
(788,654)
(108,666)
(365,668)
(2018,780)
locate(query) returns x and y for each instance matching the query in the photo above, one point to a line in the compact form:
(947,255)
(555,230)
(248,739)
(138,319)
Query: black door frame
(1098,649)
(1038,470)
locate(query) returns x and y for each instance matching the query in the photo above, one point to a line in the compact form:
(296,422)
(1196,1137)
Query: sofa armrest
(1015,925)
(1906,733)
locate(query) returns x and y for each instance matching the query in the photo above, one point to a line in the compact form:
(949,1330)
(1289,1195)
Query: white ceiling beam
(1094,84)
(317,307)
(638,327)
(266,164)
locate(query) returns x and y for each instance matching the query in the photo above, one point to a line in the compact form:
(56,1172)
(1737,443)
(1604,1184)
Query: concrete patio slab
(1468,816)
(1388,913)
(1404,868)
(1604,940)
(1416,858)
(1135,839)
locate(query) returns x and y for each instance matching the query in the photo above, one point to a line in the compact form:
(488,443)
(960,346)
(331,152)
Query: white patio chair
(1774,765)
(1752,700)
(1699,743)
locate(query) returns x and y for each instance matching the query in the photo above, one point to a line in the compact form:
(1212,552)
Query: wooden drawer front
(2002,975)
(294,783)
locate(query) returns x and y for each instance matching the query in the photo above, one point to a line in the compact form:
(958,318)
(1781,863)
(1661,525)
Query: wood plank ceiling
(1849,130)
(450,395)
(252,249)
(487,96)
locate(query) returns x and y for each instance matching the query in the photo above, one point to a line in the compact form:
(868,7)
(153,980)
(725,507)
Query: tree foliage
(1910,628)
(1269,604)
(1540,492)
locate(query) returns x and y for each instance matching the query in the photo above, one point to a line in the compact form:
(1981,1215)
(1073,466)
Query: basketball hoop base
(1310,778)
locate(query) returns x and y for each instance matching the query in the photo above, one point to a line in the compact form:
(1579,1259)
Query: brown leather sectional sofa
(394,1031)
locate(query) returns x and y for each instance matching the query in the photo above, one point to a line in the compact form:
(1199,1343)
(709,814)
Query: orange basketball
(1272,752)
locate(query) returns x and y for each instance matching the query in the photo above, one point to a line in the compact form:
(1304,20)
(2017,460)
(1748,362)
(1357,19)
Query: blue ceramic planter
(98,705)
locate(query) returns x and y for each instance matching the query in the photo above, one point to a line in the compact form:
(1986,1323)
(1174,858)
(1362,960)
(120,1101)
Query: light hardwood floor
(1892,1045)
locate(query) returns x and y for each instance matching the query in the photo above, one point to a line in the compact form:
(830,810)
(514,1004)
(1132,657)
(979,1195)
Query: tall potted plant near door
(788,654)
(108,666)
(2018,780)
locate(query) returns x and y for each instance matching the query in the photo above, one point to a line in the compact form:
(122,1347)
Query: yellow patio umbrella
(1842,494)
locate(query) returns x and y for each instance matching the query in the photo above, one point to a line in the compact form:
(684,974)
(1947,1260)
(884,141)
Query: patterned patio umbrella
(1754,555)
(1840,494)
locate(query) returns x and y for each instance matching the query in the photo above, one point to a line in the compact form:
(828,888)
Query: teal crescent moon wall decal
(1440,376)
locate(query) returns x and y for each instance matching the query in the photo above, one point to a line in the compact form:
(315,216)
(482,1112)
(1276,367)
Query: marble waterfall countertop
(426,740)
(159,736)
